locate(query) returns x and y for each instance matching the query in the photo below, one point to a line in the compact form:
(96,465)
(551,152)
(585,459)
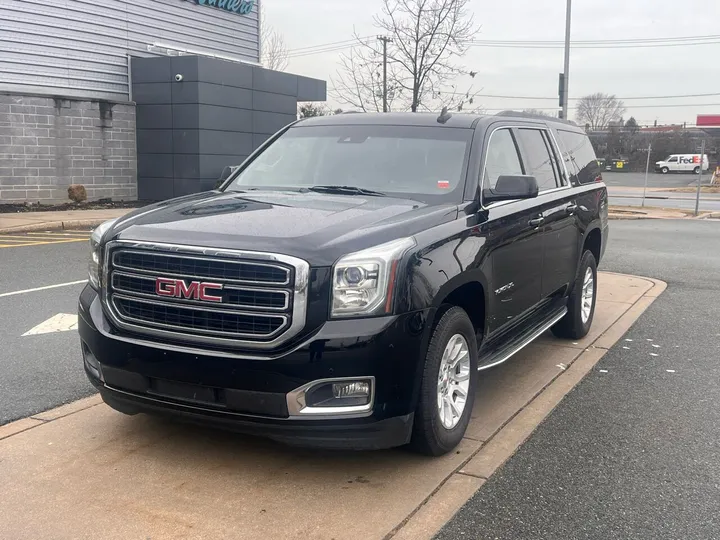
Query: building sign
(243,7)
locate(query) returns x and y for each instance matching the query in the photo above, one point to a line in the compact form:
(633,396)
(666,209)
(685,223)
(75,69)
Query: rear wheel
(581,304)
(696,170)
(664,170)
(447,391)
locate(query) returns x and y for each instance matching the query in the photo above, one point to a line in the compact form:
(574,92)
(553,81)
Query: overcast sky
(626,72)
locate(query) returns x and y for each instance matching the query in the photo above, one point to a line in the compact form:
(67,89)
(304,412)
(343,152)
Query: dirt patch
(689,189)
(96,205)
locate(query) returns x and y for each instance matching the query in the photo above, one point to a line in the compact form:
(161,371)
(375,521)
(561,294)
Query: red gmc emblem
(195,290)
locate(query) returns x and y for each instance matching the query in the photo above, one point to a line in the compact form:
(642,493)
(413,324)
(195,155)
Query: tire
(664,170)
(574,325)
(430,435)
(696,170)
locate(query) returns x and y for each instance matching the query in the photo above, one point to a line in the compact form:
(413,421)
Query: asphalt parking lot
(626,189)
(40,370)
(655,180)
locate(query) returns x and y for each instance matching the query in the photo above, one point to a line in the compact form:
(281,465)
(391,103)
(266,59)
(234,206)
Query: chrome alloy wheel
(588,294)
(453,381)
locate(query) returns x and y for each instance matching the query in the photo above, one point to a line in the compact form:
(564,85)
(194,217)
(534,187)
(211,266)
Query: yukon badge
(195,290)
(505,288)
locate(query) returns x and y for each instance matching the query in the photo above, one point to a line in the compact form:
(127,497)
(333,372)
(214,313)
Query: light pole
(566,69)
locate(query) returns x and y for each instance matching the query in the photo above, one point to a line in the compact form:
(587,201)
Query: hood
(313,226)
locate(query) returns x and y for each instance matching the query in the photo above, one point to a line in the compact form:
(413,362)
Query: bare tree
(537,112)
(308,110)
(359,82)
(273,48)
(598,110)
(427,36)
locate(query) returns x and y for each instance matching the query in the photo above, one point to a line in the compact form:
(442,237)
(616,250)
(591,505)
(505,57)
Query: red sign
(195,290)
(708,120)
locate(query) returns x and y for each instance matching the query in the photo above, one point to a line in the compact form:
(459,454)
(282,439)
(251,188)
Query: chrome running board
(505,355)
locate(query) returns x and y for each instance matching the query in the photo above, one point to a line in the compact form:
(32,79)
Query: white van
(682,163)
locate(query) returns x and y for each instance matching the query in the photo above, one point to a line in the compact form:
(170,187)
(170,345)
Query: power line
(536,44)
(664,105)
(324,45)
(628,46)
(575,98)
(601,41)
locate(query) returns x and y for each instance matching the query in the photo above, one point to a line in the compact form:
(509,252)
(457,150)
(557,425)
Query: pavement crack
(470,474)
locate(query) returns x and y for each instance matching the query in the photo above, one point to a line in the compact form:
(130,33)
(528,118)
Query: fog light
(351,389)
(333,397)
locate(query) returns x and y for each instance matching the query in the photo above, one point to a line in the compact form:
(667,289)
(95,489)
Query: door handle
(571,208)
(536,221)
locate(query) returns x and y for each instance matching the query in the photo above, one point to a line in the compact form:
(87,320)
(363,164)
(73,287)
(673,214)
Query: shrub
(77,193)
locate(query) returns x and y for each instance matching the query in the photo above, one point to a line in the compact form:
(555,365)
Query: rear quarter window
(579,156)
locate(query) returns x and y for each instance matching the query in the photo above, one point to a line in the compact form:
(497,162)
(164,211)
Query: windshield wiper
(346,190)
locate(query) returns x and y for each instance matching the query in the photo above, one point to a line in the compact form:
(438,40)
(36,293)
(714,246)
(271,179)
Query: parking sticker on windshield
(443,184)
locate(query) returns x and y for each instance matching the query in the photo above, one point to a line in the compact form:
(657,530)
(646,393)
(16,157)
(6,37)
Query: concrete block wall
(48,143)
(220,111)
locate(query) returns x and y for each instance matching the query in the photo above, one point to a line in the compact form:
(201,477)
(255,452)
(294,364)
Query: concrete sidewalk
(71,219)
(86,471)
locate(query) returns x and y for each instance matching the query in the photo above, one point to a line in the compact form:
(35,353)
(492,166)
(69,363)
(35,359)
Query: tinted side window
(538,158)
(502,158)
(580,153)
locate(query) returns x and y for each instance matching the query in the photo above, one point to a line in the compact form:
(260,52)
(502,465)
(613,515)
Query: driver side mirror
(512,187)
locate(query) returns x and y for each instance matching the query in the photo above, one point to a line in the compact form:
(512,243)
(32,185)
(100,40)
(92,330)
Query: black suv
(346,284)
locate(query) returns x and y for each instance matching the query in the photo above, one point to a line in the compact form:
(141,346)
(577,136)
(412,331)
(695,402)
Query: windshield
(423,163)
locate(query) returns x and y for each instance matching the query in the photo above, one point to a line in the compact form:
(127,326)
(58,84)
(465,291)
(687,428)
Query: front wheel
(449,381)
(581,304)
(664,170)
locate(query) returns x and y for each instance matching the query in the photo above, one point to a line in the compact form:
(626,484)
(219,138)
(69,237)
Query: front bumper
(250,394)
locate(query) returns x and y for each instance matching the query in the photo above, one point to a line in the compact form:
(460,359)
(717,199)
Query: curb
(638,215)
(53,225)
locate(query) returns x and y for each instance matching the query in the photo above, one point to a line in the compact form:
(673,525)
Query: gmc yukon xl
(348,283)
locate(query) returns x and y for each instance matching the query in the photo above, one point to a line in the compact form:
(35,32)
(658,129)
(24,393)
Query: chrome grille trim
(296,312)
(179,301)
(194,308)
(202,277)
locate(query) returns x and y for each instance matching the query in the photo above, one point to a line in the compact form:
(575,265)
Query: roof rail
(520,114)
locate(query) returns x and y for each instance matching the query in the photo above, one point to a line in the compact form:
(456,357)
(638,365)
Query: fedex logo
(692,159)
(195,290)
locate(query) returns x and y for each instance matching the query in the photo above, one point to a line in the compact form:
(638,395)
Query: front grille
(207,267)
(201,320)
(246,301)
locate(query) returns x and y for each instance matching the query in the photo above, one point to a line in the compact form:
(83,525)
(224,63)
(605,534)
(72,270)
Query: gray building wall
(47,143)
(80,48)
(188,131)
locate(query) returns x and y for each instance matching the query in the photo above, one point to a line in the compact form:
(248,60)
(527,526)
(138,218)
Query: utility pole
(385,40)
(702,163)
(566,69)
(647,168)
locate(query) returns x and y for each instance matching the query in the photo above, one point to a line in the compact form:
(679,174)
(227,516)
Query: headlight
(95,252)
(363,282)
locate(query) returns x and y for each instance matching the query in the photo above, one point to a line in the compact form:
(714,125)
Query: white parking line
(43,288)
